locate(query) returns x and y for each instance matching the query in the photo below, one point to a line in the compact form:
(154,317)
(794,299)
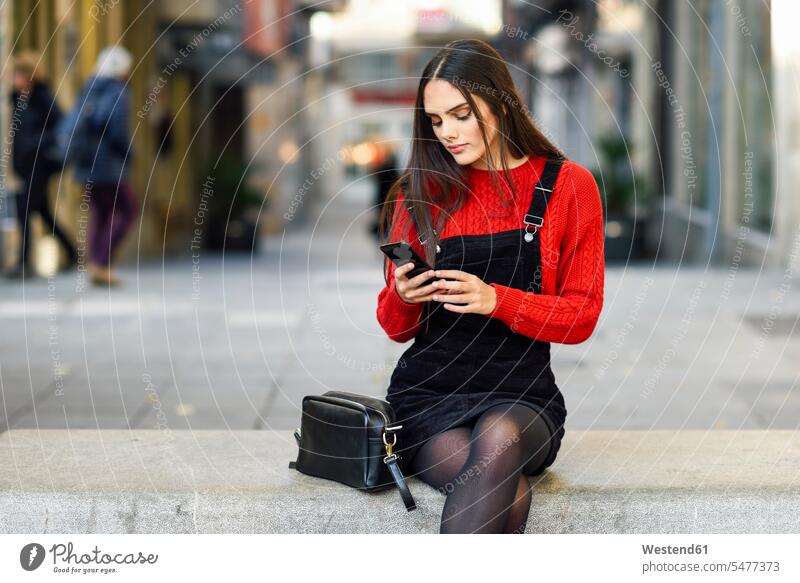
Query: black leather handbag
(349,438)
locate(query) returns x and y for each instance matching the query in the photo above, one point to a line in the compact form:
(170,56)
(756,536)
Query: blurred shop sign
(368,95)
(454,17)
(267,26)
(321,6)
(190,11)
(433,20)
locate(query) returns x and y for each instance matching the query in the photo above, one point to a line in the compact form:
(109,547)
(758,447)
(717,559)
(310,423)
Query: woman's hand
(470,290)
(409,290)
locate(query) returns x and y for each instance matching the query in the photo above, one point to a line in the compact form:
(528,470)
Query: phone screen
(401,253)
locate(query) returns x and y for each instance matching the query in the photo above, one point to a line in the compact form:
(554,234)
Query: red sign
(383,96)
(266,26)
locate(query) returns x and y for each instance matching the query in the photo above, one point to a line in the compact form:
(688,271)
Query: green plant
(233,206)
(616,178)
(232,193)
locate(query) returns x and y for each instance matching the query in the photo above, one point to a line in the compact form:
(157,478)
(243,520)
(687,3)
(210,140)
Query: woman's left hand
(469,291)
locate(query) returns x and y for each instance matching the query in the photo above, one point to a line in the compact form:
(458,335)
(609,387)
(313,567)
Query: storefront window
(695,158)
(756,132)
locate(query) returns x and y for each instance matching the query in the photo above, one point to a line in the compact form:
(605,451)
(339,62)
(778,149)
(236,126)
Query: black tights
(483,469)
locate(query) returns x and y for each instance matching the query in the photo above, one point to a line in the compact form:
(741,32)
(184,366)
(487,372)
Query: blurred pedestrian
(385,174)
(33,117)
(102,166)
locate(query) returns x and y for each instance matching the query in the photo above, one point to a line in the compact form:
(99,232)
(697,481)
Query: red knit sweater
(571,238)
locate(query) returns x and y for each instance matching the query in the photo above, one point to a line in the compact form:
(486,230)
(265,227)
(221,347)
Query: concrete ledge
(218,482)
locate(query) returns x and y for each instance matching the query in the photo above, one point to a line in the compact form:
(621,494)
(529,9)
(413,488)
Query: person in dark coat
(385,174)
(34,115)
(104,174)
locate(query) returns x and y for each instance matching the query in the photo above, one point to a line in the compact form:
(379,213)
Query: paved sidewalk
(235,344)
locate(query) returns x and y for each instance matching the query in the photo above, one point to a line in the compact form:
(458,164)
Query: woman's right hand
(409,290)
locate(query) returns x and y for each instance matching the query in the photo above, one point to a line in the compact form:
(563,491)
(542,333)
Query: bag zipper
(386,428)
(381,413)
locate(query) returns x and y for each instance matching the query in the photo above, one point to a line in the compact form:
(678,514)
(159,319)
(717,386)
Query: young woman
(514,232)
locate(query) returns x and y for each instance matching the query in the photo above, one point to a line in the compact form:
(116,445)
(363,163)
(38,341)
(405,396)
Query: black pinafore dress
(465,363)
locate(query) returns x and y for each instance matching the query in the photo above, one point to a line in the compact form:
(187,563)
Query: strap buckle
(533,220)
(422,241)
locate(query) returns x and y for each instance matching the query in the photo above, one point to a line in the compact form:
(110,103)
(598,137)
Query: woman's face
(455,124)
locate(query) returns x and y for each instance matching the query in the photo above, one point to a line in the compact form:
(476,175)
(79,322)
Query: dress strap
(545,185)
(416,226)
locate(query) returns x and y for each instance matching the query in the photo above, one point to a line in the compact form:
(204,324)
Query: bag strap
(391,460)
(399,479)
(296,433)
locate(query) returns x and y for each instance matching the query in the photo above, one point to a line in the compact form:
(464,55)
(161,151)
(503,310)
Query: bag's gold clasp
(390,446)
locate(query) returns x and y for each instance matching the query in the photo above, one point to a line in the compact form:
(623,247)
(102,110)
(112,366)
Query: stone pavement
(235,343)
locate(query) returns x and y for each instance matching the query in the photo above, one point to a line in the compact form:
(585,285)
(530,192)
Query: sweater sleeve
(569,316)
(399,319)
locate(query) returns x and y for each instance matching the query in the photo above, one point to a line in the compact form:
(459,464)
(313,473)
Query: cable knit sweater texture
(571,238)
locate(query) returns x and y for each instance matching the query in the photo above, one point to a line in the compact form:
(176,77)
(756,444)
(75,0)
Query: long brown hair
(433,179)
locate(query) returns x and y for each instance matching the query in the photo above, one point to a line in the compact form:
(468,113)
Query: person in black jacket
(34,115)
(385,174)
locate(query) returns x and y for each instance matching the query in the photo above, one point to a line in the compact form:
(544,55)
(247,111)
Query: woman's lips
(457,148)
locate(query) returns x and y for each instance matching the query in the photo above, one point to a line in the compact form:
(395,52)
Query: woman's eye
(463,118)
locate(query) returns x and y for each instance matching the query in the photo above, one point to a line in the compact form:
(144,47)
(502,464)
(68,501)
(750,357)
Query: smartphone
(401,253)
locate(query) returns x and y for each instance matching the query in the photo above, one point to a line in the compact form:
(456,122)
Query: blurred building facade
(69,36)
(699,99)
(366,58)
(684,111)
(214,134)
(687,112)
